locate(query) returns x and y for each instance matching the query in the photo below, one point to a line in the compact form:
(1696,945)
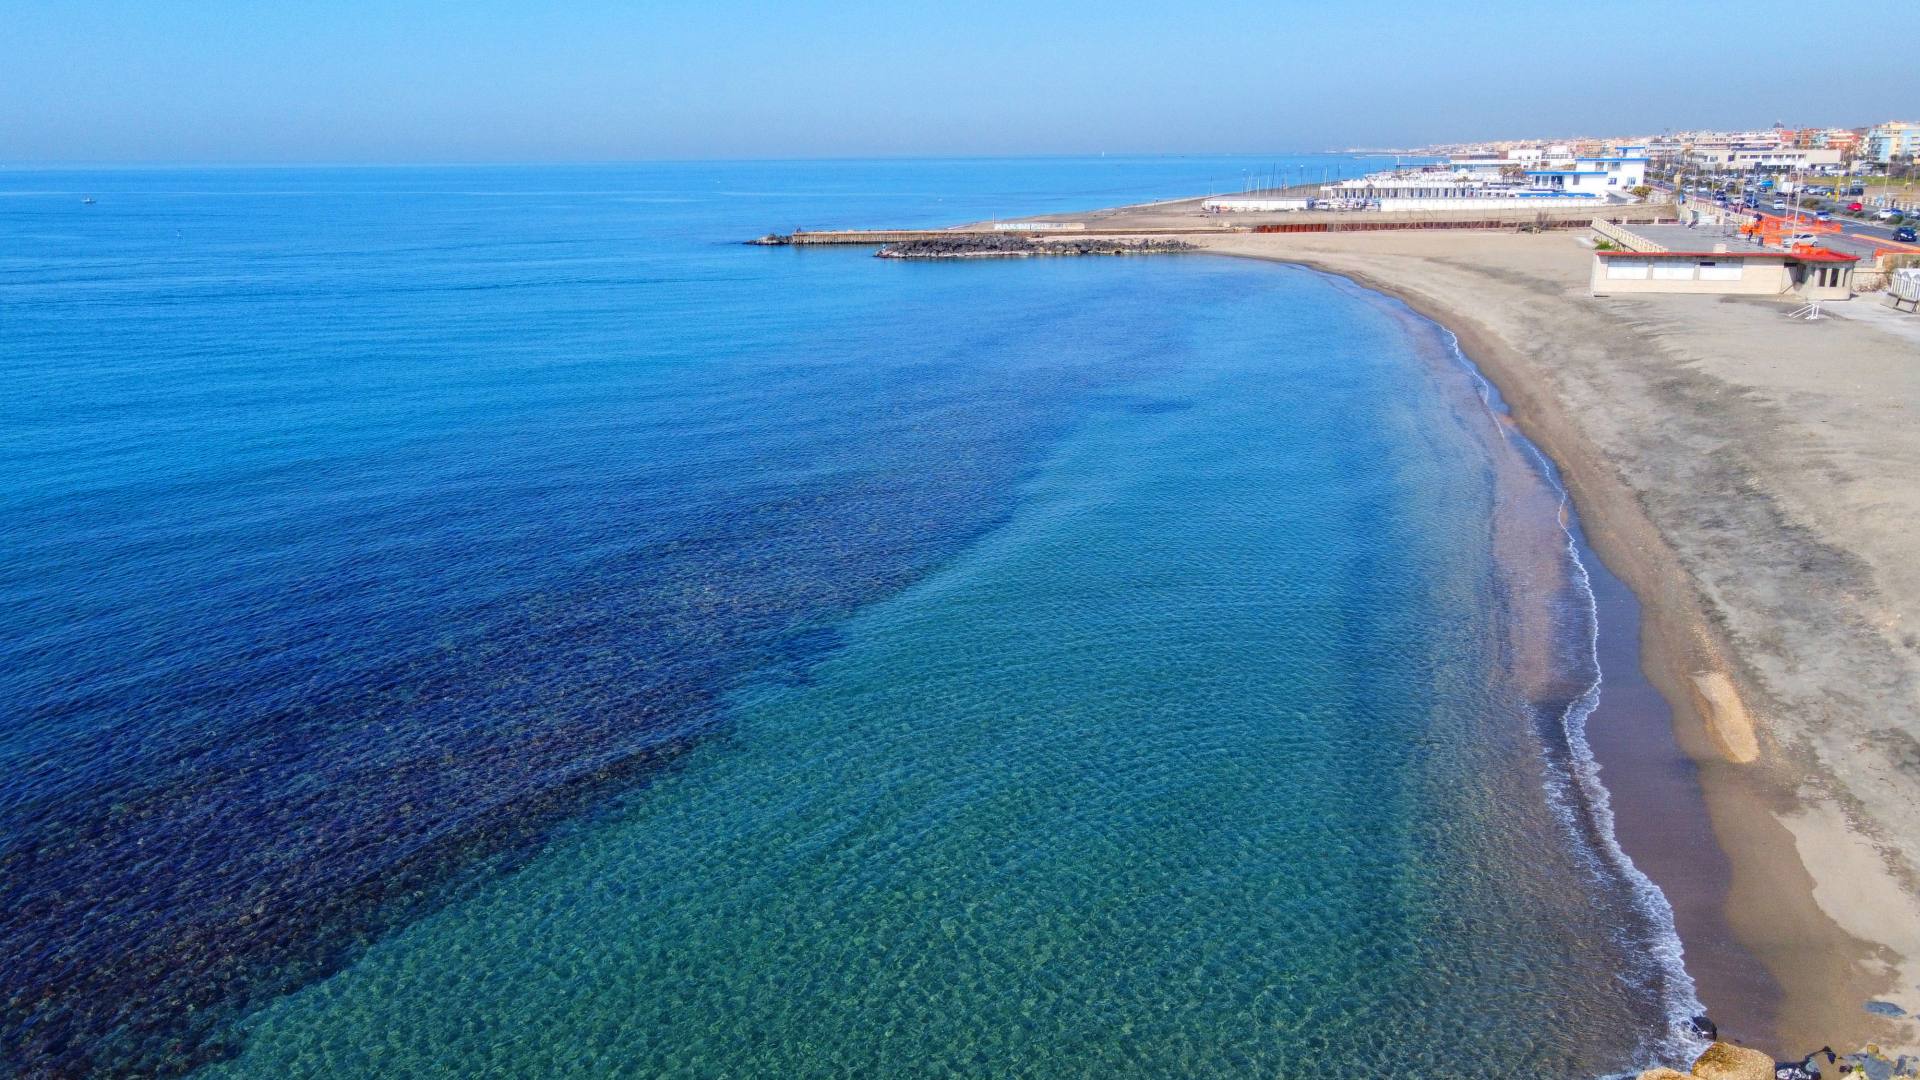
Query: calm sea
(486,621)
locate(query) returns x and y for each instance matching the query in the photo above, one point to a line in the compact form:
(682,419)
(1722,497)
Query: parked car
(1906,235)
(1856,190)
(1887,214)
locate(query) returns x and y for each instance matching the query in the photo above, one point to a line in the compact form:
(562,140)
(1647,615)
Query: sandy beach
(1751,477)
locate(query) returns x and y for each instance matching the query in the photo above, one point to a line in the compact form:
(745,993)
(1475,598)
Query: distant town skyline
(223,82)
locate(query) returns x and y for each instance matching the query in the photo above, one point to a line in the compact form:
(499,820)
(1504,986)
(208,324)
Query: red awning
(1821,255)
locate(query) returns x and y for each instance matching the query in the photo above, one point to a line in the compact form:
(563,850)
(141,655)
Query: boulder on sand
(1724,1061)
(1662,1073)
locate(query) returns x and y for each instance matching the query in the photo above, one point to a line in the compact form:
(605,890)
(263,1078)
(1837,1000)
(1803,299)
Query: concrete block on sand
(1724,1061)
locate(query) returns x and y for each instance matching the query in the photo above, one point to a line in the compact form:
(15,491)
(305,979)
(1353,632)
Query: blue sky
(485,80)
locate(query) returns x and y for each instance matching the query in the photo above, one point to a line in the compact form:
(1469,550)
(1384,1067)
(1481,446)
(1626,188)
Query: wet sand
(1752,479)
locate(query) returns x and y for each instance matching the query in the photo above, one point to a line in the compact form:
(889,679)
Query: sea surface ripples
(466,622)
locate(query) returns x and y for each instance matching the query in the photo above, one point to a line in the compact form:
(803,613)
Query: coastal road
(1864,229)
(1868,231)
(1873,235)
(1865,235)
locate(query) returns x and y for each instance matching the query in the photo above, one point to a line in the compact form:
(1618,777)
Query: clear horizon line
(49,165)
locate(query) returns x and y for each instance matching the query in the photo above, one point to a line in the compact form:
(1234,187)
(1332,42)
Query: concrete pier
(1185,218)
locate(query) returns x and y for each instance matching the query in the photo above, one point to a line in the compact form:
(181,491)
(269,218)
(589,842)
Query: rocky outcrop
(1721,1061)
(1003,245)
(1725,1061)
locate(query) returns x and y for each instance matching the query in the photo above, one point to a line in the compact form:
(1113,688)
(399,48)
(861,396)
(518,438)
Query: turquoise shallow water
(464,622)
(1205,762)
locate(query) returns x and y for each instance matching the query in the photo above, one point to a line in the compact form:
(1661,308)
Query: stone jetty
(1003,245)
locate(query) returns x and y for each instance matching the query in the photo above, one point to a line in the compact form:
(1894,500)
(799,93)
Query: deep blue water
(563,640)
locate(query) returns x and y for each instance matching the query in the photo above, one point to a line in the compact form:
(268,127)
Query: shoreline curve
(1810,943)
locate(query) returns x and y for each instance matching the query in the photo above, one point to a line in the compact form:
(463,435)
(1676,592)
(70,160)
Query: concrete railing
(1623,238)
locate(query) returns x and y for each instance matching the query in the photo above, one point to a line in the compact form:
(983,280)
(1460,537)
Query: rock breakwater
(1005,245)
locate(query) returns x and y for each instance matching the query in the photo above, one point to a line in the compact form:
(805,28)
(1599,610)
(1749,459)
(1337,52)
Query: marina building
(1441,190)
(1509,179)
(1615,174)
(1252,204)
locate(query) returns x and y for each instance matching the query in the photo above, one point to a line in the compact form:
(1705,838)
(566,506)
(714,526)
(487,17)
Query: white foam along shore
(1577,792)
(1750,478)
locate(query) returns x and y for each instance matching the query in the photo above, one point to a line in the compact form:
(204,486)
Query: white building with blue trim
(1616,174)
(1488,181)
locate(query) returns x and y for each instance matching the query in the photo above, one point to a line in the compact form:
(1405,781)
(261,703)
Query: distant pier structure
(804,237)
